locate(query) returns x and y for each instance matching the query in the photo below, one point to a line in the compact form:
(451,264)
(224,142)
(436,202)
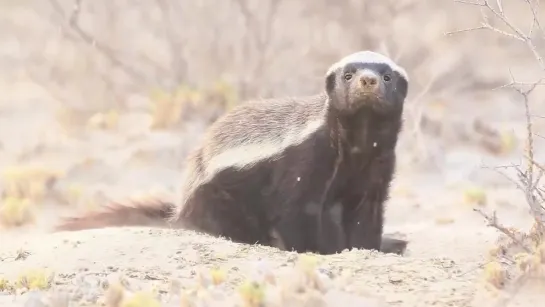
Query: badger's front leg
(363,221)
(363,229)
(393,245)
(363,209)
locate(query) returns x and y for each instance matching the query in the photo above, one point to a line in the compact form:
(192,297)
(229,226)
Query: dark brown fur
(338,149)
(155,213)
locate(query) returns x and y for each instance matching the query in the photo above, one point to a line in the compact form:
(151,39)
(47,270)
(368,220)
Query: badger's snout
(369,81)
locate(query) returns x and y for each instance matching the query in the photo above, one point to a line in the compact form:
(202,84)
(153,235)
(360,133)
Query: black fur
(346,163)
(349,160)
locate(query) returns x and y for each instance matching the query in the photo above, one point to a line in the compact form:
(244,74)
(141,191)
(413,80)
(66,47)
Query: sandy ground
(443,267)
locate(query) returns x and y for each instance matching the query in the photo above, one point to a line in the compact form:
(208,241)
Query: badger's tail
(151,213)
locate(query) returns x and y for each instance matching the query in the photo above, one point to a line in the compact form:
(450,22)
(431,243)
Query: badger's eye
(347,76)
(387,78)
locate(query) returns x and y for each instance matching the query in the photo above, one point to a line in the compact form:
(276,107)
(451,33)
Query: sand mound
(83,261)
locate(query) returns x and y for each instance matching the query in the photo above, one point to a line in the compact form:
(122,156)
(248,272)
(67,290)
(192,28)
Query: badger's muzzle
(369,82)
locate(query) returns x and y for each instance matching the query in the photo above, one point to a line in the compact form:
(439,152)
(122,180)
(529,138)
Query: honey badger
(271,171)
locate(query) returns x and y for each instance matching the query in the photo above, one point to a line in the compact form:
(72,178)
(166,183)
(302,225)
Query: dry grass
(35,279)
(519,259)
(24,187)
(302,285)
(168,109)
(30,182)
(100,74)
(107,120)
(475,196)
(16,212)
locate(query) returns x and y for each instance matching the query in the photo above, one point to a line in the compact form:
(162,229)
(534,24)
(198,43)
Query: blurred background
(102,100)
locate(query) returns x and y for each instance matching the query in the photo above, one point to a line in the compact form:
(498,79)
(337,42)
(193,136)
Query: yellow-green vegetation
(298,285)
(34,279)
(23,187)
(76,195)
(525,249)
(5,285)
(168,107)
(116,295)
(104,120)
(444,220)
(475,196)
(508,142)
(527,252)
(15,212)
(69,118)
(30,181)
(252,293)
(227,91)
(218,276)
(495,141)
(141,299)
(495,274)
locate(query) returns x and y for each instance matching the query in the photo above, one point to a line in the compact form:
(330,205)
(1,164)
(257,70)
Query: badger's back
(250,133)
(262,121)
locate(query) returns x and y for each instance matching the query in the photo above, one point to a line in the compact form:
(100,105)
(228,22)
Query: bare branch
(466,30)
(493,221)
(260,33)
(497,169)
(539,136)
(535,20)
(72,21)
(469,3)
(527,180)
(500,6)
(179,65)
(517,34)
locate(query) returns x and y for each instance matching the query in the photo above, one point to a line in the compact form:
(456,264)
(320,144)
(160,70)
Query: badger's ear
(402,87)
(330,80)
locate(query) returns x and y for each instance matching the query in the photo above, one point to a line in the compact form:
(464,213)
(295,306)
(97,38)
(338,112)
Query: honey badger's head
(366,79)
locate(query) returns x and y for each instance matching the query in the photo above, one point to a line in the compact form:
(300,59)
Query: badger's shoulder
(250,133)
(262,124)
(258,130)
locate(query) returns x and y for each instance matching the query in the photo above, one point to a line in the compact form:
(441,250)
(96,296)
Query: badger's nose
(369,80)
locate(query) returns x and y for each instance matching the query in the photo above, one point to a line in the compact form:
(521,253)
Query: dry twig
(528,179)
